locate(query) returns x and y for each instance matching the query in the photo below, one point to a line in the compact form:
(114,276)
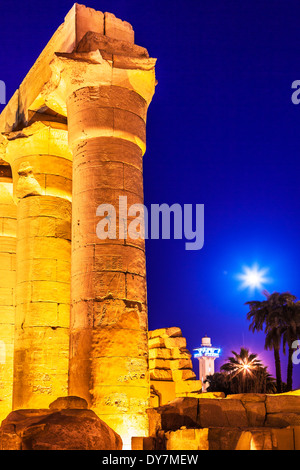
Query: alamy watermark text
(136,222)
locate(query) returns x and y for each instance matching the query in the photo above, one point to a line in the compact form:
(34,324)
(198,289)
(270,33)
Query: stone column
(106,108)
(42,166)
(8,215)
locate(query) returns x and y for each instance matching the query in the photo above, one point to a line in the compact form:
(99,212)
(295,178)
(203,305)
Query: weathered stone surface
(187,439)
(284,439)
(224,438)
(143,443)
(203,412)
(109,300)
(160,374)
(65,403)
(170,361)
(109,46)
(165,333)
(239,422)
(87,19)
(211,414)
(256,413)
(118,29)
(270,410)
(154,418)
(27,183)
(234,412)
(79,21)
(283,419)
(262,439)
(162,392)
(238,439)
(211,394)
(247,413)
(247,397)
(8,229)
(177,342)
(188,386)
(179,412)
(41,365)
(164,353)
(66,429)
(159,364)
(297,437)
(156,343)
(283,404)
(183,374)
(41,344)
(173,364)
(167,342)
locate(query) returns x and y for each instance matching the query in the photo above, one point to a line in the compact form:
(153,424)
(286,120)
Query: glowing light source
(254,277)
(207,352)
(244,367)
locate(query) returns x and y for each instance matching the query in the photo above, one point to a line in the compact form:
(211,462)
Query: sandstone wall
(238,422)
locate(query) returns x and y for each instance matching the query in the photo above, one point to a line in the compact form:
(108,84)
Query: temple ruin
(74,338)
(72,137)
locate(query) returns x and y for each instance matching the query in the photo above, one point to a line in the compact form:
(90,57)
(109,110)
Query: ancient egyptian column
(42,171)
(94,78)
(108,85)
(8,215)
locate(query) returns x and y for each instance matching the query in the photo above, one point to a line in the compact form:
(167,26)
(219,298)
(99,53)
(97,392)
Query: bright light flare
(244,367)
(253,278)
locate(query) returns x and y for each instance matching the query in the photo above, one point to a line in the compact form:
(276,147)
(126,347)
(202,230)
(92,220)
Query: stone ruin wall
(237,422)
(170,367)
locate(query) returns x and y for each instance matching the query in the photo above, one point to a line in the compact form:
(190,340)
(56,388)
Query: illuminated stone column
(107,102)
(42,167)
(8,226)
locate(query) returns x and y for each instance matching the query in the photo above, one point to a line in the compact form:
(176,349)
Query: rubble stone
(170,361)
(64,429)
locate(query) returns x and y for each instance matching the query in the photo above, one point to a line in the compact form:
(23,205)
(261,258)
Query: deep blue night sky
(222,131)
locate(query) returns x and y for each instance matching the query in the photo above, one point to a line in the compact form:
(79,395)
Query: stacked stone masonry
(237,422)
(170,367)
(74,306)
(8,232)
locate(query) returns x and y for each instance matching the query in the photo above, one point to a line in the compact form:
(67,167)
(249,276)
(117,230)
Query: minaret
(206,355)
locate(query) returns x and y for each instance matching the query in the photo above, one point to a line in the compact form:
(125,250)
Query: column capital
(40,159)
(77,70)
(40,138)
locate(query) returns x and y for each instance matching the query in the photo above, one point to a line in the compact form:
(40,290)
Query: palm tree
(246,373)
(218,382)
(290,333)
(272,342)
(271,315)
(266,382)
